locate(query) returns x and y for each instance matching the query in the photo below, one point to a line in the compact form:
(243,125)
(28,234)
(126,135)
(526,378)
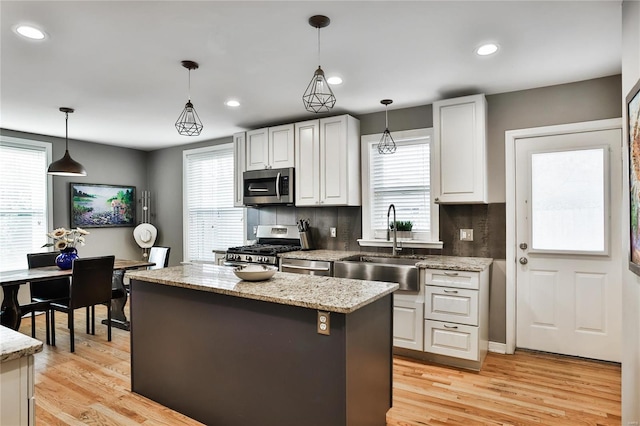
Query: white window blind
(24,217)
(212,222)
(402,179)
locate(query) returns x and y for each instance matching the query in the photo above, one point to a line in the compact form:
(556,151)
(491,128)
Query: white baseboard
(500,348)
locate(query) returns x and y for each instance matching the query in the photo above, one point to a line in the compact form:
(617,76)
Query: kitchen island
(230,352)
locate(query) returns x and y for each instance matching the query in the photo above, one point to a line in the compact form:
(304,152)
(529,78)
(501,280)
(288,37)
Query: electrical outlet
(324,323)
(333,232)
(255,230)
(466,235)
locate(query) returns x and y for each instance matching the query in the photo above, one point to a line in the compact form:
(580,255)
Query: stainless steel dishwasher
(307,267)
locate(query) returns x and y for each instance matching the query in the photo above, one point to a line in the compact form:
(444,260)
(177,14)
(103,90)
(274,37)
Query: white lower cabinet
(408,322)
(456,316)
(17,396)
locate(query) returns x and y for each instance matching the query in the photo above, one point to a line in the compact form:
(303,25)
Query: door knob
(523,246)
(523,260)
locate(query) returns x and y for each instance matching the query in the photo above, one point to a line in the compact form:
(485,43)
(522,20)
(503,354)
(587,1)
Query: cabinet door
(281,146)
(460,162)
(333,160)
(307,148)
(257,149)
(239,141)
(408,321)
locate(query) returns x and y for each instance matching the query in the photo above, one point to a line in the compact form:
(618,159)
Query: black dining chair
(44,292)
(90,286)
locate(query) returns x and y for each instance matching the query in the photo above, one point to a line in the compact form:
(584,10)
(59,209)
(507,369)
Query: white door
(568,198)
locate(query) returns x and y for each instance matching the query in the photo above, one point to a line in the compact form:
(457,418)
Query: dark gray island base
(241,359)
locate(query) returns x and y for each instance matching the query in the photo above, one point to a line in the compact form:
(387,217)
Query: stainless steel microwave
(268,187)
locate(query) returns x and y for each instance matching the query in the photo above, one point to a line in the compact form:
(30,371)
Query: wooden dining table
(11,312)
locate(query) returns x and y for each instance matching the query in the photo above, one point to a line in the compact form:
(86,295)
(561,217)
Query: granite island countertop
(340,295)
(453,263)
(14,345)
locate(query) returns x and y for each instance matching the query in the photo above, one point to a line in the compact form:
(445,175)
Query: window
(402,179)
(211,221)
(24,200)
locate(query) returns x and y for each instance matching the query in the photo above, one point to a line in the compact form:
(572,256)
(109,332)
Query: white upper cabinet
(270,148)
(460,150)
(239,141)
(328,162)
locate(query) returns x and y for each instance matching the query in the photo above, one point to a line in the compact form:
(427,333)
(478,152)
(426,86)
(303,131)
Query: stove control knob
(248,259)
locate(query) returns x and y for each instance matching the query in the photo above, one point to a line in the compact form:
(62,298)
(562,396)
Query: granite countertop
(14,345)
(340,295)
(469,264)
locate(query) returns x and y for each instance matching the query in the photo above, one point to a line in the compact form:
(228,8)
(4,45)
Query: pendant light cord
(386,117)
(66,131)
(319,47)
(189,92)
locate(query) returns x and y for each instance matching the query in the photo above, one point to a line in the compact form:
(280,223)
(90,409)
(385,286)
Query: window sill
(405,243)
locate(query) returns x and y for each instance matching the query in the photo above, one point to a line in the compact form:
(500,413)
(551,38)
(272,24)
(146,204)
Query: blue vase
(66,257)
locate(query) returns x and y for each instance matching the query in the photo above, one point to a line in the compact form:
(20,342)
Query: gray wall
(105,165)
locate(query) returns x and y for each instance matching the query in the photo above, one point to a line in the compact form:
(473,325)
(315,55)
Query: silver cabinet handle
(451,291)
(451,274)
(450,326)
(252,189)
(278,185)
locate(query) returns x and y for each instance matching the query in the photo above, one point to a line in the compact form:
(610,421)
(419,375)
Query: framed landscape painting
(97,206)
(633,128)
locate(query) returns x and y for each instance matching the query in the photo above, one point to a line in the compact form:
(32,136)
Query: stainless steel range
(271,240)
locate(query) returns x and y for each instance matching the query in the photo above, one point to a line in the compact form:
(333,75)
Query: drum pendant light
(386,145)
(318,97)
(189,123)
(66,166)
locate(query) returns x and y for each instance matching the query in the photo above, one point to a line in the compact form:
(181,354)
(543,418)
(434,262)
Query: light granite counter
(14,345)
(323,293)
(470,264)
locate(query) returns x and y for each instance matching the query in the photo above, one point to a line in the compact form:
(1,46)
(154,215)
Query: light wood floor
(92,386)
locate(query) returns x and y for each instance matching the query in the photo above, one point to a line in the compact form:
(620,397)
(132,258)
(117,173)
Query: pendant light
(386,145)
(318,97)
(66,166)
(189,123)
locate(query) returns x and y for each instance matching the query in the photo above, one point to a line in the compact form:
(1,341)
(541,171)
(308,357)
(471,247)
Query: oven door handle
(252,189)
(305,268)
(278,186)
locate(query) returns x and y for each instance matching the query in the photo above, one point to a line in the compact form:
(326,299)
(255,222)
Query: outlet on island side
(333,232)
(324,323)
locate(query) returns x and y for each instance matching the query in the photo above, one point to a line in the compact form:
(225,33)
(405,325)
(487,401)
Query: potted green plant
(403,229)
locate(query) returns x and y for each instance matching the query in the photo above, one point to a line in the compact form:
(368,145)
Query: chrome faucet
(394,249)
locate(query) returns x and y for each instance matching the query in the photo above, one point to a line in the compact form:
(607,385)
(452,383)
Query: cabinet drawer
(459,279)
(451,339)
(451,305)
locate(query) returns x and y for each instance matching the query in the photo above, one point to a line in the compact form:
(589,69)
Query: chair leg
(88,321)
(46,316)
(71,333)
(109,321)
(93,320)
(33,324)
(53,328)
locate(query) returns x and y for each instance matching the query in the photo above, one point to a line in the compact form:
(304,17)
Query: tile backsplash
(486,220)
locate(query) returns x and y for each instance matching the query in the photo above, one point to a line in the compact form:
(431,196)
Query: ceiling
(118,63)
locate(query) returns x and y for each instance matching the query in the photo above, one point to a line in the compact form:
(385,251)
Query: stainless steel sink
(389,269)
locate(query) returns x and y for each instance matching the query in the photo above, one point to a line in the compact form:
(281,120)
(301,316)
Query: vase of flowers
(66,241)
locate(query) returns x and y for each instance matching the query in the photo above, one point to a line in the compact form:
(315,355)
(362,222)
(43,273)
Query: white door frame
(510,176)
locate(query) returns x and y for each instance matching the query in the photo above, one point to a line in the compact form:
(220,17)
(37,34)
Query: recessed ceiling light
(232,103)
(30,32)
(487,49)
(334,80)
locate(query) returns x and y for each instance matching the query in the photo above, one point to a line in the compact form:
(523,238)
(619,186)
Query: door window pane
(568,201)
